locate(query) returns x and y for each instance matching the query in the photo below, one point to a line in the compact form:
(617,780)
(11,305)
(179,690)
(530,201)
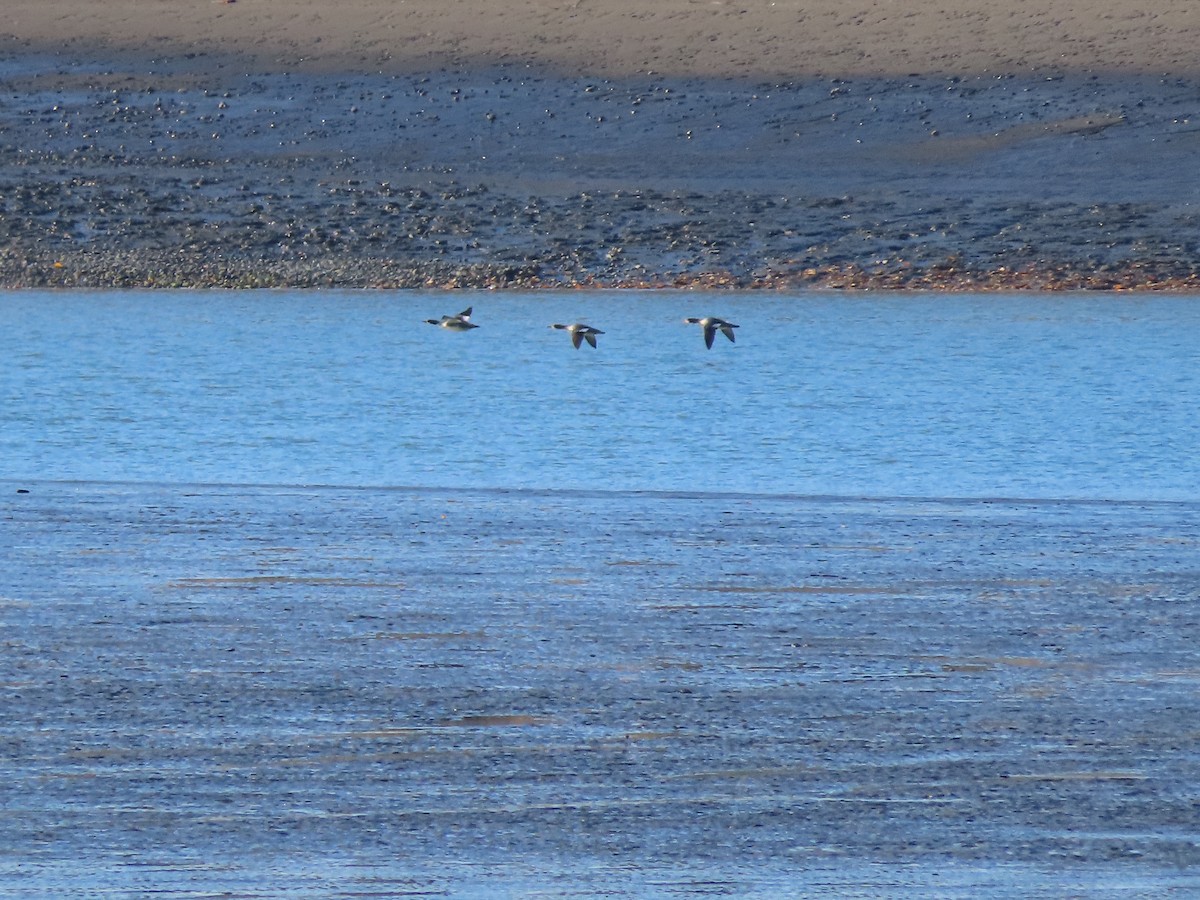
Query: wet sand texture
(267,690)
(952,145)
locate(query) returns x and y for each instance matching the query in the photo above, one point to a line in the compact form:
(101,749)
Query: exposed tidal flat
(120,172)
(303,692)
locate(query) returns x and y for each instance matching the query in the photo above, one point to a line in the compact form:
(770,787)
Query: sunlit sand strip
(772,800)
(495,721)
(1075,776)
(422,636)
(963,146)
(798,589)
(256,580)
(985,663)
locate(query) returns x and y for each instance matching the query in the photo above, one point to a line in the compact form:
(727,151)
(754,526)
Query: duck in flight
(580,333)
(711,325)
(461,322)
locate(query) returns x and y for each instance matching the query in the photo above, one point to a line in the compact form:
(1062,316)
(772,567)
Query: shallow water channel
(331,692)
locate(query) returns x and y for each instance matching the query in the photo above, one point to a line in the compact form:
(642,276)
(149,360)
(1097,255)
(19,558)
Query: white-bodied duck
(711,325)
(579,333)
(461,322)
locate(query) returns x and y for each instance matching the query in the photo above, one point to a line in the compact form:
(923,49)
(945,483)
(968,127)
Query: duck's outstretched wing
(577,338)
(591,338)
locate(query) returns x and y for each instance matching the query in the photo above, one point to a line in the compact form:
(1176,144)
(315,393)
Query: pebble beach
(587,145)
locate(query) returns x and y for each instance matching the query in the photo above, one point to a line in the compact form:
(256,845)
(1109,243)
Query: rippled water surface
(1019,396)
(304,598)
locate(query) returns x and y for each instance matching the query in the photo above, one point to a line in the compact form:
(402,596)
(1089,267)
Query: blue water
(1032,396)
(274,624)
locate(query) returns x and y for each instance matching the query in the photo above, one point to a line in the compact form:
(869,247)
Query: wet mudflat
(113,176)
(326,692)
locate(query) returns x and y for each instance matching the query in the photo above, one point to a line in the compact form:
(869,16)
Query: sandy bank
(384,144)
(615,38)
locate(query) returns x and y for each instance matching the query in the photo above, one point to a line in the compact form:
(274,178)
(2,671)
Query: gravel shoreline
(153,269)
(506,178)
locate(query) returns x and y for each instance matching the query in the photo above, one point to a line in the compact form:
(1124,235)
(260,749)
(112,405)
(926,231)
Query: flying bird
(461,322)
(711,325)
(580,333)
